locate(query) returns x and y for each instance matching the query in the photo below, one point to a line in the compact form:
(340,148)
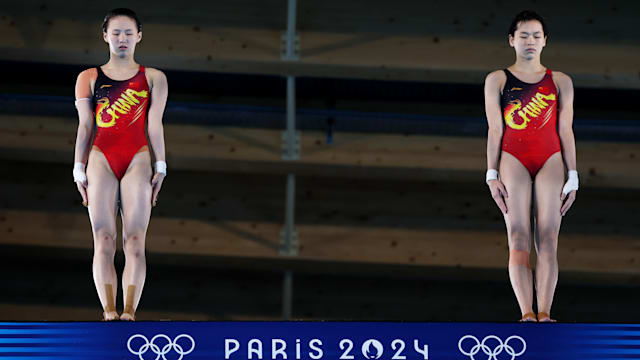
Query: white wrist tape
(572,183)
(78,173)
(161,167)
(492,174)
(81,99)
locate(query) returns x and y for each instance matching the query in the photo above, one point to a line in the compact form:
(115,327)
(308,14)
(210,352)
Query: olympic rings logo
(161,352)
(492,353)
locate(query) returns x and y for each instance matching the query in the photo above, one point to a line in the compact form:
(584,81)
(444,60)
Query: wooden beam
(192,147)
(37,312)
(452,57)
(465,248)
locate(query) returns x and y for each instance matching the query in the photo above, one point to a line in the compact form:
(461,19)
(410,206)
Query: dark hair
(526,15)
(121,12)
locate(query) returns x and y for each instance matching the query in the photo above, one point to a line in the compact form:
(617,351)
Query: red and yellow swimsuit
(121,114)
(530,116)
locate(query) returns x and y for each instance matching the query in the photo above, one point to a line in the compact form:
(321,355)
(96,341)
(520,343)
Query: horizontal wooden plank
(602,253)
(36,312)
(452,56)
(191,147)
(179,288)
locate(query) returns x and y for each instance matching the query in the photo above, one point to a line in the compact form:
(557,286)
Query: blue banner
(317,340)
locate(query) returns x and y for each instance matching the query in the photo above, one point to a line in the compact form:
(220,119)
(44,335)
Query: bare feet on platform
(544,317)
(529,317)
(125,316)
(110,316)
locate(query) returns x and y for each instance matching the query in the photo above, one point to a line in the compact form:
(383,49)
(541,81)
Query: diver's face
(122,36)
(528,39)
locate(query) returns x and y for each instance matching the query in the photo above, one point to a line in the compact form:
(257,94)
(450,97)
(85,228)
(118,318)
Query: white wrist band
(492,174)
(78,173)
(572,183)
(161,167)
(81,99)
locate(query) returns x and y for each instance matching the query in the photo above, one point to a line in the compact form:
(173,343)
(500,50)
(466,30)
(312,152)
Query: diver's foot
(110,316)
(544,317)
(125,316)
(529,317)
